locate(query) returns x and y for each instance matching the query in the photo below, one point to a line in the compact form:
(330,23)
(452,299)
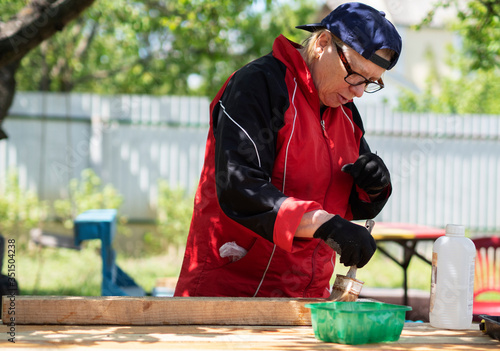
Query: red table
(407,236)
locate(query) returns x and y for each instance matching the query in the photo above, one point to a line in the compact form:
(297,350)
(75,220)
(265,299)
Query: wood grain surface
(119,310)
(110,323)
(415,336)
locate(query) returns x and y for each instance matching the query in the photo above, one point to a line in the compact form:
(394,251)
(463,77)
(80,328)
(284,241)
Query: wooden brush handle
(352,270)
(351,273)
(370,223)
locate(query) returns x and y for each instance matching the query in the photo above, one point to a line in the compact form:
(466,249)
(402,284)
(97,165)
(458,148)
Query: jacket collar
(286,51)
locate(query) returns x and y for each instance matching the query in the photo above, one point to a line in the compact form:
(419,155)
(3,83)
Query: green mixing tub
(357,323)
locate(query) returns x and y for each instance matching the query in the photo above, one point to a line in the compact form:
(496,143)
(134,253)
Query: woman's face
(328,72)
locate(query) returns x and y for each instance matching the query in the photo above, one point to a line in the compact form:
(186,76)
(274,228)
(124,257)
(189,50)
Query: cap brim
(311,27)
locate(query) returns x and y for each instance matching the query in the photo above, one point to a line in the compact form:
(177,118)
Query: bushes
(21,210)
(86,194)
(172,221)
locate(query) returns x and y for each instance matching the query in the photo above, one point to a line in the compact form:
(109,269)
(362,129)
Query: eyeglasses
(355,79)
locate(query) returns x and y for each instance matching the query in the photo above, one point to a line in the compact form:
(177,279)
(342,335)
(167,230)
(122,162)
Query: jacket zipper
(326,138)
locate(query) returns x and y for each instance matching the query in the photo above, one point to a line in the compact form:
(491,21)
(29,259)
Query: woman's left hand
(369,173)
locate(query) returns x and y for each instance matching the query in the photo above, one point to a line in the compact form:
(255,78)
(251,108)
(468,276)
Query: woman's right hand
(352,242)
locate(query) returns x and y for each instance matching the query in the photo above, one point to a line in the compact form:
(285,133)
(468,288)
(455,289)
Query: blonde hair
(309,44)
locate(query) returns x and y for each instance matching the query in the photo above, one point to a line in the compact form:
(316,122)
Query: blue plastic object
(101,224)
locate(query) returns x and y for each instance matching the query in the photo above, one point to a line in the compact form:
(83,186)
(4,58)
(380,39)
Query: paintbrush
(347,287)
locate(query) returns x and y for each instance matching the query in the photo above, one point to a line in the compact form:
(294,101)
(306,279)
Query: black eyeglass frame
(376,85)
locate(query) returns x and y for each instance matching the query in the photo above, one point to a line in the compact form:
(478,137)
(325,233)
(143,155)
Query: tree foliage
(23,26)
(159,46)
(477,24)
(477,63)
(85,194)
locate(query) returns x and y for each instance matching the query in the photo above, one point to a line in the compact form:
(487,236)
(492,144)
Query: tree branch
(84,44)
(39,20)
(7,90)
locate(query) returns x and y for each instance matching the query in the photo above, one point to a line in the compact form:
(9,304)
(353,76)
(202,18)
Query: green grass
(382,272)
(50,271)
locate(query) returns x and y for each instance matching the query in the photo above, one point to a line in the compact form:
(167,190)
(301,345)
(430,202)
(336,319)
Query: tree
(477,63)
(181,47)
(100,44)
(159,46)
(34,23)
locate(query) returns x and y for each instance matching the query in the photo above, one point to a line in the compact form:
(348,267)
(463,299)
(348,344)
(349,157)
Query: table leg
(402,265)
(408,252)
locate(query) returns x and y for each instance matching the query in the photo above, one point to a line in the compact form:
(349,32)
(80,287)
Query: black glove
(352,242)
(369,173)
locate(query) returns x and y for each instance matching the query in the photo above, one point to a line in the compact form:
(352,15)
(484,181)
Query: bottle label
(433,280)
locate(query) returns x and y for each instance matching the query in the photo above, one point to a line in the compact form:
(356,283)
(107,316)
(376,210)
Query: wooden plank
(120,310)
(415,336)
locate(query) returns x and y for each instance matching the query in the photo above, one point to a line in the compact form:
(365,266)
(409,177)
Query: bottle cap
(455,230)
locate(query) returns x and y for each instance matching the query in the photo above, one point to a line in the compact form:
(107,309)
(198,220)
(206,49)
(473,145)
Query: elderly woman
(287,166)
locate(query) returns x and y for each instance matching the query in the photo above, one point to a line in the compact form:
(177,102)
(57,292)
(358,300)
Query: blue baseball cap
(364,29)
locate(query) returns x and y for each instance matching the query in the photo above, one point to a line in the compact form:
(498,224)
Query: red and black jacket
(272,155)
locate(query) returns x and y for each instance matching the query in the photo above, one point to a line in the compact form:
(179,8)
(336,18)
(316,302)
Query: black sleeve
(246,122)
(359,208)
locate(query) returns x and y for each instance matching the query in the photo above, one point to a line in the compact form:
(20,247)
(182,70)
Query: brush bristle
(343,295)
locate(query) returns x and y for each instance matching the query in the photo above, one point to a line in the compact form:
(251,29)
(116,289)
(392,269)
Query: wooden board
(415,336)
(119,310)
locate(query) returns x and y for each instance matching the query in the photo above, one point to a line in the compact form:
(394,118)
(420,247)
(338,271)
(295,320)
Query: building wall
(415,64)
(425,52)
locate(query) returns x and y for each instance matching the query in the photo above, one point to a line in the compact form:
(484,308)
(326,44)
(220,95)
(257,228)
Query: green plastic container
(357,323)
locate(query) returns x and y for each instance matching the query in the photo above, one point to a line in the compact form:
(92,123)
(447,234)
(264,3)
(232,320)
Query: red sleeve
(288,220)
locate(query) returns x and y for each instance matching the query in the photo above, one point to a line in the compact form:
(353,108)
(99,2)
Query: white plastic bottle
(452,281)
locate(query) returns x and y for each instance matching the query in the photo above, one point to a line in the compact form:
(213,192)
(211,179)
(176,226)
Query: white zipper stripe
(346,116)
(258,159)
(291,135)
(284,179)
(265,271)
(243,130)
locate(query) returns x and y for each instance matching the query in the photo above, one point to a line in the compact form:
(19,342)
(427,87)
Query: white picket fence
(445,169)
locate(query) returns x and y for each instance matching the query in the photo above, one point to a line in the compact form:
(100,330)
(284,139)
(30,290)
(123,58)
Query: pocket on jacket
(239,278)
